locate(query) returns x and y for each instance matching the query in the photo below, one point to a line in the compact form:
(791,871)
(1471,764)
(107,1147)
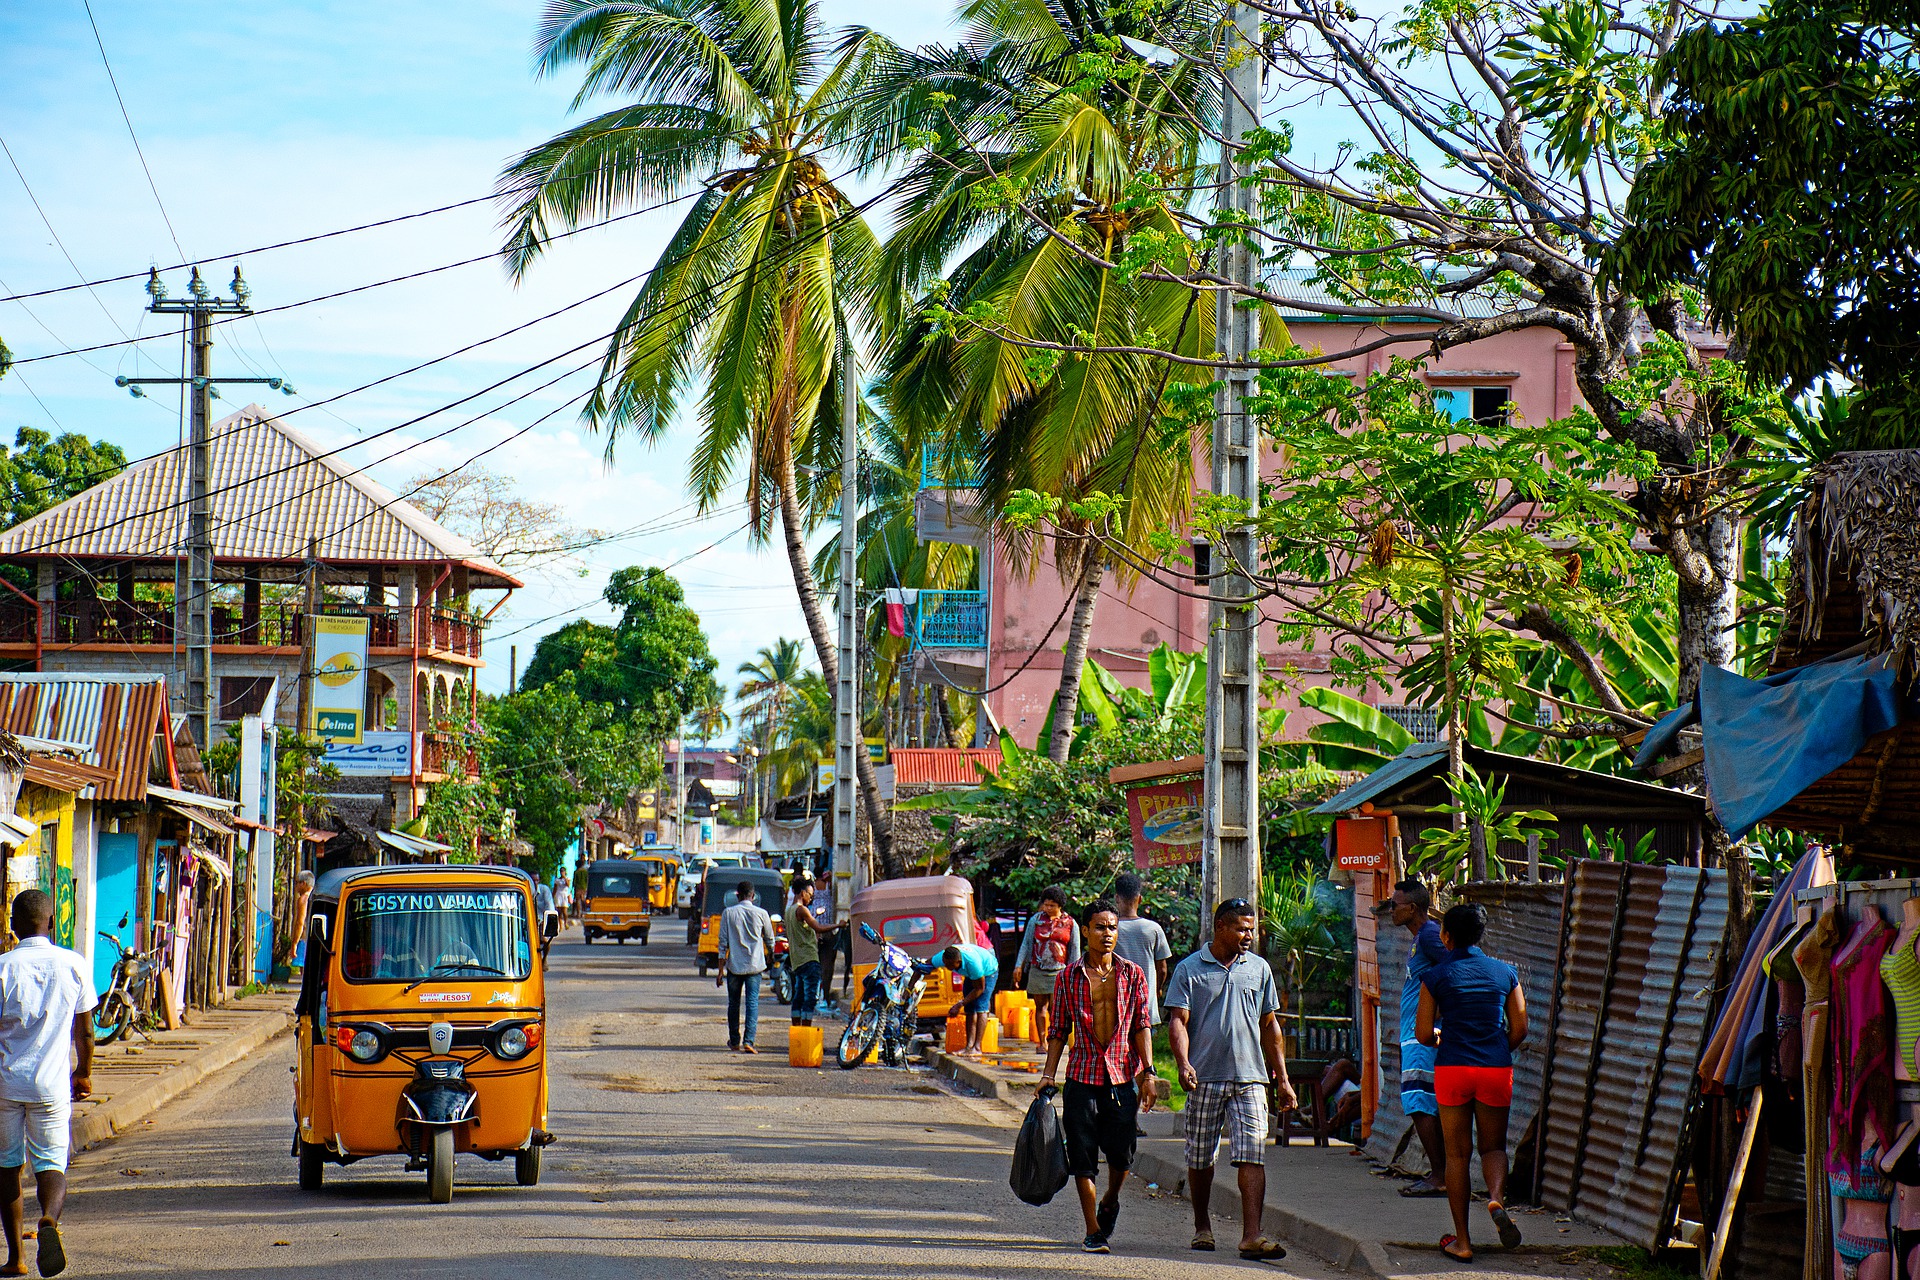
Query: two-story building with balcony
(1008,636)
(106,566)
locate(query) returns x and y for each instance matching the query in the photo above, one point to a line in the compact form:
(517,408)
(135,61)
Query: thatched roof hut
(1856,588)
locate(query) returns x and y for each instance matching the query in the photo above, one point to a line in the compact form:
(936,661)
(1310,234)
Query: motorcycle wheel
(526,1167)
(783,985)
(119,1016)
(856,1042)
(440,1167)
(313,1166)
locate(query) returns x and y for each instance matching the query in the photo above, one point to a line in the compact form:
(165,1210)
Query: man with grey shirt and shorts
(1142,941)
(1224,1028)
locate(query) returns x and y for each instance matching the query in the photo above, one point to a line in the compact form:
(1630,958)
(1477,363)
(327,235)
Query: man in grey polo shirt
(1223,1025)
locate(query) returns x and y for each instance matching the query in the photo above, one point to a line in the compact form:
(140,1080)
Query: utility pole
(1230,852)
(846,696)
(680,793)
(309,651)
(193,592)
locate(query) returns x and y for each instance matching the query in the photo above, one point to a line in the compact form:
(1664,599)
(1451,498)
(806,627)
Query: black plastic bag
(1039,1153)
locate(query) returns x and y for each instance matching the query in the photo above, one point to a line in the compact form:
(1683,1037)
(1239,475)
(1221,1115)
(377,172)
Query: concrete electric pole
(846,695)
(1230,851)
(193,590)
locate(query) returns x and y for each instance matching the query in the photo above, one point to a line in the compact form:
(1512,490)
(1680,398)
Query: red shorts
(1462,1086)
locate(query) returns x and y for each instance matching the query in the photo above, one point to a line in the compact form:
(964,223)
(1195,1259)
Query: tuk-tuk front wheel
(440,1167)
(313,1166)
(526,1167)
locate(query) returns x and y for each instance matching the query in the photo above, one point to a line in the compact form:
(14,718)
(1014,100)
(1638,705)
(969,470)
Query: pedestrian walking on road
(563,899)
(1409,907)
(1100,1004)
(979,971)
(1479,1002)
(1141,940)
(746,941)
(1223,1025)
(804,937)
(1052,942)
(46,1003)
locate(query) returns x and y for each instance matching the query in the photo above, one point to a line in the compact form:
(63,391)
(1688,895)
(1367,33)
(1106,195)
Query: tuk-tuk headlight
(362,1044)
(516,1040)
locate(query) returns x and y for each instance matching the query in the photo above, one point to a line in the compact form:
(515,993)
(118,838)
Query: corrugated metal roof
(1298,283)
(1640,946)
(1424,758)
(274,492)
(112,718)
(943,766)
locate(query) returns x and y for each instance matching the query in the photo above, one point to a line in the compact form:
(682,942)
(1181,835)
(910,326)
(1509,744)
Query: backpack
(1039,1153)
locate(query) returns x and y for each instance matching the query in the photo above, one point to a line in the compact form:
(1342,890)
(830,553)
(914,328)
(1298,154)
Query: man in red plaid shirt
(1101,1002)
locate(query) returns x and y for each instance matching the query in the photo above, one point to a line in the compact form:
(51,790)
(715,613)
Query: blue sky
(267,122)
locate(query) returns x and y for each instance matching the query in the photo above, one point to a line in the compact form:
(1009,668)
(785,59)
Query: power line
(137,150)
(58,243)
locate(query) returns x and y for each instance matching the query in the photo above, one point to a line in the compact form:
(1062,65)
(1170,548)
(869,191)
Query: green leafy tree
(42,471)
(549,753)
(1785,190)
(750,109)
(653,664)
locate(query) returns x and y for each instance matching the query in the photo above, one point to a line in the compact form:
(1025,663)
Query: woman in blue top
(1477,1000)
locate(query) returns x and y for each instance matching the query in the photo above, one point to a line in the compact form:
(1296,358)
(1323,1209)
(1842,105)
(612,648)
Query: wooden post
(1533,857)
(1730,1206)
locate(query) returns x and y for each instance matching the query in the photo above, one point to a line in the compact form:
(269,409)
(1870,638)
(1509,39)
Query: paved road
(676,1159)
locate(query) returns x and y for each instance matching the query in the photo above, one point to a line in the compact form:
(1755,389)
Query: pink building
(981,639)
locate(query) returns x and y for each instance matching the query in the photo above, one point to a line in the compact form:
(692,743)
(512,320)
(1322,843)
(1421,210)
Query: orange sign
(1360,844)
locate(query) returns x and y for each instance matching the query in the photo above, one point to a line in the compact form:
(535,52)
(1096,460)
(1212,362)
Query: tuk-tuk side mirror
(317,929)
(867,932)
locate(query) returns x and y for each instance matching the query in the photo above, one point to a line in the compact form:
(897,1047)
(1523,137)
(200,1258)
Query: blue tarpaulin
(1766,741)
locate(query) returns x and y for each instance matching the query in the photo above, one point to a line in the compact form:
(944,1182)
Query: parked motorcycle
(780,972)
(889,1006)
(128,999)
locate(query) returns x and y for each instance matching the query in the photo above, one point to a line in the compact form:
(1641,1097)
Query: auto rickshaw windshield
(608,885)
(456,934)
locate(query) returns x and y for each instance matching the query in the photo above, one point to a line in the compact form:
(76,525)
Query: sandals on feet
(53,1257)
(1262,1250)
(1446,1246)
(1422,1190)
(1202,1241)
(1509,1233)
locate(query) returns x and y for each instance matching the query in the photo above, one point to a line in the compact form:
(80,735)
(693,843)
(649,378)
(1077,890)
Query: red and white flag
(898,599)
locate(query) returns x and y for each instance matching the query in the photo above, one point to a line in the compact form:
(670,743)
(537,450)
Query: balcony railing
(951,620)
(935,473)
(442,753)
(268,626)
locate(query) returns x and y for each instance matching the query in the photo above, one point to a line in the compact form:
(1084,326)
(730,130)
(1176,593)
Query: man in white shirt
(746,948)
(46,999)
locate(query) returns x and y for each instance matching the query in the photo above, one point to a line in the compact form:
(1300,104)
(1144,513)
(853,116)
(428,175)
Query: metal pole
(1230,852)
(846,697)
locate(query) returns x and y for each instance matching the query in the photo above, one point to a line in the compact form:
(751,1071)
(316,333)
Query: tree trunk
(1066,703)
(1456,742)
(1708,598)
(943,716)
(826,645)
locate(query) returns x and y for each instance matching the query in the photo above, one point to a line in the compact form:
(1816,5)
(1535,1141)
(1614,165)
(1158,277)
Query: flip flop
(1422,1190)
(1262,1250)
(1202,1241)
(53,1258)
(1447,1240)
(1509,1232)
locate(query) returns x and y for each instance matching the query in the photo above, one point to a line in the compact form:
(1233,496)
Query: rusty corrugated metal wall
(1639,951)
(1523,928)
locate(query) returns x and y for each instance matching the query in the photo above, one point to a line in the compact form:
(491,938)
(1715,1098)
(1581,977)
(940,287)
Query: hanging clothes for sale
(1814,959)
(1862,1114)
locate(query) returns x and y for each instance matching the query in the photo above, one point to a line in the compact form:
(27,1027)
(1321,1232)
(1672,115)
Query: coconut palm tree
(747,107)
(1033,114)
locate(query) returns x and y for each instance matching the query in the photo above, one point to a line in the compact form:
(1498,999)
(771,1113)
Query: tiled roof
(111,720)
(274,491)
(942,766)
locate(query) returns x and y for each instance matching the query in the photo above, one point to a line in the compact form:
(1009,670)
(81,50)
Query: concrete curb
(122,1112)
(1362,1257)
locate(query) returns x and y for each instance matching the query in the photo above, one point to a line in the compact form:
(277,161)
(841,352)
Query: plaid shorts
(1240,1109)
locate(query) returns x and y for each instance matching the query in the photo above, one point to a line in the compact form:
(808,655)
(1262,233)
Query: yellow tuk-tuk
(617,903)
(717,893)
(923,916)
(663,876)
(421,1022)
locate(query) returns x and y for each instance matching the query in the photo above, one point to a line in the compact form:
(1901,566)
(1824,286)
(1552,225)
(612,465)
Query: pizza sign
(1168,820)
